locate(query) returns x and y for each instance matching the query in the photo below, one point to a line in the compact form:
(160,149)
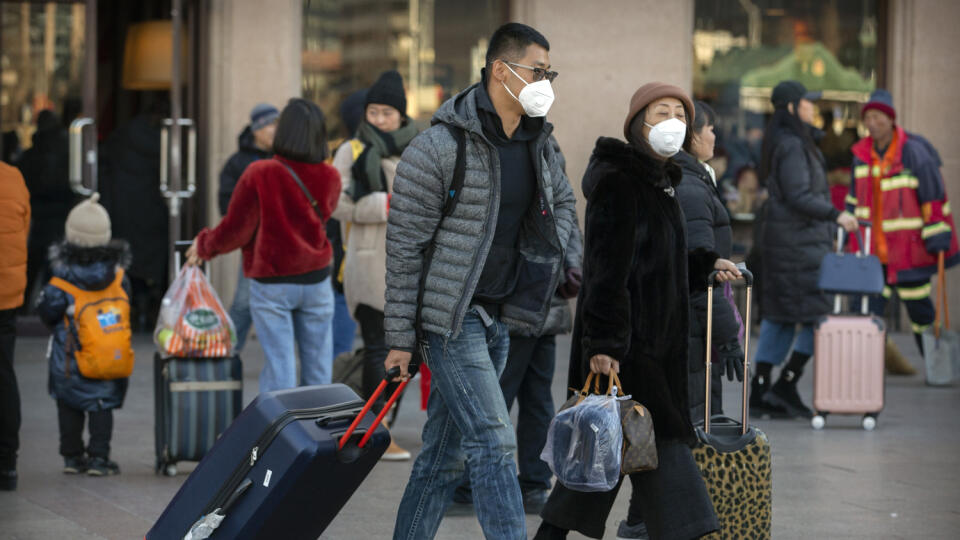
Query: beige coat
(364,226)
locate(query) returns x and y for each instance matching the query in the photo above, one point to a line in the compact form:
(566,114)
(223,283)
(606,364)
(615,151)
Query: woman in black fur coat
(632,317)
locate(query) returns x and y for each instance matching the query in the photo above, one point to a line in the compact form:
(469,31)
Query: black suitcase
(283,469)
(195,400)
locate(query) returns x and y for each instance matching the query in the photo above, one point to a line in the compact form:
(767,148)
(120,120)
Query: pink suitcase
(848,368)
(848,361)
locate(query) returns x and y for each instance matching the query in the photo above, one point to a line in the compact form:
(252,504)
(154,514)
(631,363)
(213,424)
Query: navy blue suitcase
(278,471)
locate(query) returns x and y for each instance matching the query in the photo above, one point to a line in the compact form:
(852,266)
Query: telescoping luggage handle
(864,251)
(748,277)
(393,373)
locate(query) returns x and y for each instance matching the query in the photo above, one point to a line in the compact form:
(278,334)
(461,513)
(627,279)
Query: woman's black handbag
(851,273)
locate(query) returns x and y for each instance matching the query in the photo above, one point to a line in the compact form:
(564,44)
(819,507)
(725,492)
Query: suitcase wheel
(166,469)
(818,421)
(869,422)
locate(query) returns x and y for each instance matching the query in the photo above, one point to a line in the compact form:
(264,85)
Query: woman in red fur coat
(278,215)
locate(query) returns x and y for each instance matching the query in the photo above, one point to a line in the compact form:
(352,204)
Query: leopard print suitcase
(734,457)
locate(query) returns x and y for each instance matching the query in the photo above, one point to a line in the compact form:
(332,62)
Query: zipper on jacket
(537,216)
(263,442)
(472,278)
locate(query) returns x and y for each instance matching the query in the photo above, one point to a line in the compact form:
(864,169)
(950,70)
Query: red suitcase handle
(394,372)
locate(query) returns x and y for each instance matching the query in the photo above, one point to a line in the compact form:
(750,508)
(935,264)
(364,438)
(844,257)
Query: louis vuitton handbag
(639,442)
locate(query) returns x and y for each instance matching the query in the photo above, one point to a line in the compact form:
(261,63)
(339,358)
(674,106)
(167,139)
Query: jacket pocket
(534,280)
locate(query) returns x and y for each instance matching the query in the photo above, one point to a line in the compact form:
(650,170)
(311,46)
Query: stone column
(923,74)
(254,56)
(604,51)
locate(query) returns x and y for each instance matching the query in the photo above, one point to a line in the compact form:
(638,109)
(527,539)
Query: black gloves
(570,288)
(730,360)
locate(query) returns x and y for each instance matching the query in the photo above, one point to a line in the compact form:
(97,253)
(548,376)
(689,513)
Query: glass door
(100,96)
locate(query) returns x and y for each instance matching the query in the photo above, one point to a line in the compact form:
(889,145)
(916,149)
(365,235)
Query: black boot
(758,387)
(784,392)
(8,479)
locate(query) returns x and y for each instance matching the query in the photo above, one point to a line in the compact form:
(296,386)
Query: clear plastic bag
(192,322)
(584,445)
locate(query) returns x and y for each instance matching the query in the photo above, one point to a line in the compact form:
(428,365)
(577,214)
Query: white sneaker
(395,453)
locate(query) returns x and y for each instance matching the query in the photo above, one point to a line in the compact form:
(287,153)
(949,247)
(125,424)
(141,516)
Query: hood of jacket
(246,143)
(461,111)
(89,268)
(613,155)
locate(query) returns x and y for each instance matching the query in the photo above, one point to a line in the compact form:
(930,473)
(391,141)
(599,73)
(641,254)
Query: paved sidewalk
(900,481)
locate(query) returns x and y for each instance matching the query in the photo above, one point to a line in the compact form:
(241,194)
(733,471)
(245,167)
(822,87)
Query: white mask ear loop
(525,83)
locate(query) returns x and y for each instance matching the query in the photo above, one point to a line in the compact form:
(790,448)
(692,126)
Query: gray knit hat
(88,224)
(262,115)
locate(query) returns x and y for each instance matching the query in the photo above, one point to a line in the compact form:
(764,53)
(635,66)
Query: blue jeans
(291,316)
(240,310)
(467,421)
(344,327)
(776,339)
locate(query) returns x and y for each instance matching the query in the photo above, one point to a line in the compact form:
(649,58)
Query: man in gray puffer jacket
(497,260)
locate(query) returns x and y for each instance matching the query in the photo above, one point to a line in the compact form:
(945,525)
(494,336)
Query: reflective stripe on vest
(862,171)
(899,182)
(862,212)
(902,224)
(935,229)
(851,200)
(946,209)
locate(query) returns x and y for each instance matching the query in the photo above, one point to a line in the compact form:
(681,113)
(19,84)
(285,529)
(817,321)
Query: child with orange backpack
(87,307)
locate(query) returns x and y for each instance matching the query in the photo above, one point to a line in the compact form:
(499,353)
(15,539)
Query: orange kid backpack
(99,336)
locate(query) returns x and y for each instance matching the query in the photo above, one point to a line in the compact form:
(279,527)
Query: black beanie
(388,90)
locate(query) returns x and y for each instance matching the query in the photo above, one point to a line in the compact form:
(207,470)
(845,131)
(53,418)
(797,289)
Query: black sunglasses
(539,74)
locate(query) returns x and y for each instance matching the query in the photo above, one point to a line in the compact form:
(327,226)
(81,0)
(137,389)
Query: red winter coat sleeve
(238,227)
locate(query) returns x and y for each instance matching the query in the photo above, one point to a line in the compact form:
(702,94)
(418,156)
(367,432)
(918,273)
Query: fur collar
(65,253)
(622,157)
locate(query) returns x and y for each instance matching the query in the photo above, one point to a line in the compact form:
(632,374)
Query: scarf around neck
(367,170)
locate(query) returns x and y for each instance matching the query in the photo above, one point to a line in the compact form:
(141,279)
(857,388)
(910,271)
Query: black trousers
(71,431)
(374,353)
(672,501)
(9,393)
(527,378)
(915,296)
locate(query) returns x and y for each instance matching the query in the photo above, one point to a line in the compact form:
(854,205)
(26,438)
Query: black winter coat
(129,189)
(708,228)
(90,269)
(634,304)
(247,152)
(798,227)
(45,168)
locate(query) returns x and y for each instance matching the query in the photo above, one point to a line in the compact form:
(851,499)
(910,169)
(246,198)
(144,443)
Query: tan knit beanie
(88,224)
(651,92)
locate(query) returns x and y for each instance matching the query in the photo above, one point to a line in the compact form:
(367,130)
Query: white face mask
(535,98)
(666,138)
